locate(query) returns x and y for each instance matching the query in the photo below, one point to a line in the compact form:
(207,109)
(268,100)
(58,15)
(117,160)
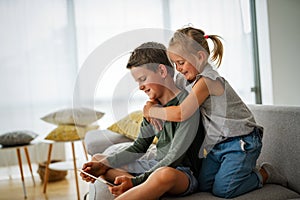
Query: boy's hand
(94,168)
(123,183)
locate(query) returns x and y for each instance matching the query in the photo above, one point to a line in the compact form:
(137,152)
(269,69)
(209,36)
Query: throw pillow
(70,116)
(16,138)
(69,132)
(129,126)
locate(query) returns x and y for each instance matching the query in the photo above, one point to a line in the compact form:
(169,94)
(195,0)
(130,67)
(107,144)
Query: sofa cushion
(281,139)
(97,141)
(268,192)
(99,191)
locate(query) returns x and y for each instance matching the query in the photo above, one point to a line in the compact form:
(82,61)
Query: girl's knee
(219,193)
(223,192)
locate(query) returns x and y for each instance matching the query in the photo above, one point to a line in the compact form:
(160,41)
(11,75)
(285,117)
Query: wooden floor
(11,186)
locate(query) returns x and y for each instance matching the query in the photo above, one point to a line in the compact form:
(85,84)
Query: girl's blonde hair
(197,41)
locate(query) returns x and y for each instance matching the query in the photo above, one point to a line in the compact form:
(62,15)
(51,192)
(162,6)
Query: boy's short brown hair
(150,55)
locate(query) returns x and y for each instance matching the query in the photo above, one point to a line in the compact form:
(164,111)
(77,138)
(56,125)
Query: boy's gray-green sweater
(178,144)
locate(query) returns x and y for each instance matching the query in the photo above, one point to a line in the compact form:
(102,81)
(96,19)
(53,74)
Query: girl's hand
(157,123)
(123,183)
(147,107)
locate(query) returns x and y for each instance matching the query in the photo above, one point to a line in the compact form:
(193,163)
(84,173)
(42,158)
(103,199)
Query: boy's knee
(98,157)
(165,175)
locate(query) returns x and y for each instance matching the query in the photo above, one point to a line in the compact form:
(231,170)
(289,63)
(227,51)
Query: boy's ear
(162,70)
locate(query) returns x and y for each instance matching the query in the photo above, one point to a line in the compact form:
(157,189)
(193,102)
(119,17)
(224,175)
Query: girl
(233,139)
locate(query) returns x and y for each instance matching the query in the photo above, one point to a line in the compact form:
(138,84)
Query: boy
(177,146)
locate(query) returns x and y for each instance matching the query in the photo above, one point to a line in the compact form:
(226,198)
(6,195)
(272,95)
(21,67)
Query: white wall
(279,50)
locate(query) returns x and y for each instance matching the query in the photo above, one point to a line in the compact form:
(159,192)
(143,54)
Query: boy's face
(149,81)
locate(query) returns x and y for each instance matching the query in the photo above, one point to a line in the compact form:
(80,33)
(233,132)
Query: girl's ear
(202,56)
(202,60)
(162,70)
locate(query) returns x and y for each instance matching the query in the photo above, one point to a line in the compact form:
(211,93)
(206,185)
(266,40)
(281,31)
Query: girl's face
(183,66)
(149,81)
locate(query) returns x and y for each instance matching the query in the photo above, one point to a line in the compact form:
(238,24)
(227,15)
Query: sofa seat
(268,192)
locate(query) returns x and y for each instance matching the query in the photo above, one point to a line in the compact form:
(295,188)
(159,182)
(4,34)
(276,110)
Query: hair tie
(206,36)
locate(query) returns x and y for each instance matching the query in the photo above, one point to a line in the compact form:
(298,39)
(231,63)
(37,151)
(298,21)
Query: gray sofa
(281,148)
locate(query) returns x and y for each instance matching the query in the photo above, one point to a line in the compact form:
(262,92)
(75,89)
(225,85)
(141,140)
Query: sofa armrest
(97,141)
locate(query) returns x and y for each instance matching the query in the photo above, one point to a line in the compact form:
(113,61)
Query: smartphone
(98,179)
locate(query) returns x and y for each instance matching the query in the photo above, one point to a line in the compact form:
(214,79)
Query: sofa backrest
(281,140)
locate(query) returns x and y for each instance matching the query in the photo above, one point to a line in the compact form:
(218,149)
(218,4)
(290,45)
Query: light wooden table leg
(21,171)
(75,170)
(85,151)
(46,176)
(29,163)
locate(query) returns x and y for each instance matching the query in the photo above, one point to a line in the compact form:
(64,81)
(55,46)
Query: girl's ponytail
(217,52)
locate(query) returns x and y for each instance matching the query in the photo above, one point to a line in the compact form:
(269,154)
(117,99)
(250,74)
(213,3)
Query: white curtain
(45,44)
(36,66)
(36,62)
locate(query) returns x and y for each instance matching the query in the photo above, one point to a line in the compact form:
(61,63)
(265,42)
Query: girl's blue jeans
(229,169)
